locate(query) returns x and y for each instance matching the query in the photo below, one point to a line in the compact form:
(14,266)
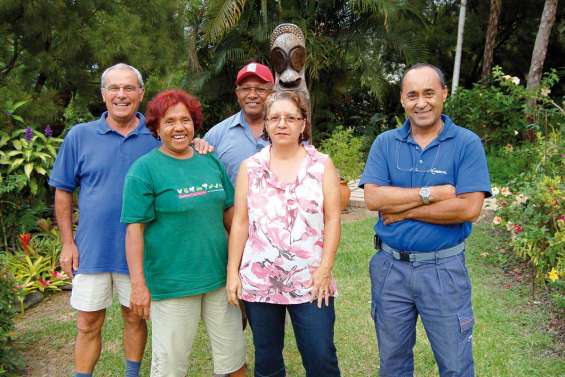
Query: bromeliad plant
(34,264)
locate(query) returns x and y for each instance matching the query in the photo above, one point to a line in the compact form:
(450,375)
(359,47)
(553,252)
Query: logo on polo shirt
(203,189)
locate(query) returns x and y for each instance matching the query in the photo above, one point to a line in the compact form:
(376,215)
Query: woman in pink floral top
(285,234)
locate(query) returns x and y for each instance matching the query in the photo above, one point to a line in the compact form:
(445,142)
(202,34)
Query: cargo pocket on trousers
(466,323)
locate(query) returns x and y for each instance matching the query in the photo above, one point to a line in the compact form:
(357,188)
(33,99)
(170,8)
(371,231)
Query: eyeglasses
(415,169)
(115,89)
(245,90)
(291,120)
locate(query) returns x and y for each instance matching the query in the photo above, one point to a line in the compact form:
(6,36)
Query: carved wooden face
(288,56)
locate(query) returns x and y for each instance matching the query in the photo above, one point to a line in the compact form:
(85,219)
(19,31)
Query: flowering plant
(534,219)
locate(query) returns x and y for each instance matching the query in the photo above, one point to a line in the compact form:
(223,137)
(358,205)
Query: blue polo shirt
(96,158)
(234,142)
(455,157)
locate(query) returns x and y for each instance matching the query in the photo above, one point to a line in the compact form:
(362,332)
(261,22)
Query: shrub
(10,360)
(532,209)
(503,112)
(26,157)
(346,151)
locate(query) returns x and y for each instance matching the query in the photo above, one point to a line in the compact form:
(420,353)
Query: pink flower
(497,220)
(58,275)
(518,229)
(561,218)
(505,191)
(44,282)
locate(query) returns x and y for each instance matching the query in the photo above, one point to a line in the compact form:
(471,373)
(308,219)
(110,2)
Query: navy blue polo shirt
(455,157)
(234,142)
(96,158)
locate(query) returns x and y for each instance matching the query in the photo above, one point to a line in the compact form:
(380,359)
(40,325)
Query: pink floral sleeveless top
(286,229)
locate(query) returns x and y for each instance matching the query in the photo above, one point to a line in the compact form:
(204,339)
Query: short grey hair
(438,71)
(120,66)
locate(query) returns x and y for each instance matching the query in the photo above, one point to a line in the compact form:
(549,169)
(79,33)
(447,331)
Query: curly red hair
(158,106)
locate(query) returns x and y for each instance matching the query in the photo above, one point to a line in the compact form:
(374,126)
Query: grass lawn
(509,337)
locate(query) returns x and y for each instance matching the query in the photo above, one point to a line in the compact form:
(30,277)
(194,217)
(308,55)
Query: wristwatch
(425,194)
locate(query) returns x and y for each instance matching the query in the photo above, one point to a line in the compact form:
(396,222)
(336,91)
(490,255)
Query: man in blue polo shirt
(428,181)
(240,136)
(96,156)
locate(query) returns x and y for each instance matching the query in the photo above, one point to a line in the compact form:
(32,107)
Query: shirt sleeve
(226,183)
(376,168)
(472,172)
(65,174)
(212,137)
(138,205)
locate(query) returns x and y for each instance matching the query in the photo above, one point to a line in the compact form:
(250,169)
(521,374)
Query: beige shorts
(92,292)
(175,325)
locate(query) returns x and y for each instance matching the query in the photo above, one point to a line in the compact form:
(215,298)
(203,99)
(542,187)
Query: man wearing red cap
(239,136)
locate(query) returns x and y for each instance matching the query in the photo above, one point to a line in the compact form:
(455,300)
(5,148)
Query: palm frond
(221,17)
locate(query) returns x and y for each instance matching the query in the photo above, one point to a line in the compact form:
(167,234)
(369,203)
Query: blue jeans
(314,332)
(439,291)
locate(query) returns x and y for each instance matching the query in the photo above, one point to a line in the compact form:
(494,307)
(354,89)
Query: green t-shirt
(181,203)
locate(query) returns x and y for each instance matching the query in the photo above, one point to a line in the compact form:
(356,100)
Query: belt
(411,256)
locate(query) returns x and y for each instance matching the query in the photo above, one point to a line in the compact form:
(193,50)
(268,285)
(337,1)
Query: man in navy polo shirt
(428,181)
(96,156)
(240,136)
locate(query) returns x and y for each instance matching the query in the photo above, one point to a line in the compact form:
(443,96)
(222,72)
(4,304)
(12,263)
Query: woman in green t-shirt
(178,205)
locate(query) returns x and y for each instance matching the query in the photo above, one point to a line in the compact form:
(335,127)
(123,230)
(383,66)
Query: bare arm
(238,236)
(393,199)
(228,216)
(464,207)
(140,300)
(321,278)
(64,214)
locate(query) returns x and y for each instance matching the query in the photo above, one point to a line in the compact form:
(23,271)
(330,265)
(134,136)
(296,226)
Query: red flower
(24,240)
(518,228)
(44,283)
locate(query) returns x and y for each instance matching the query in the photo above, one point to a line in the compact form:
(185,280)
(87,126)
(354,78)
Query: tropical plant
(346,151)
(26,157)
(35,263)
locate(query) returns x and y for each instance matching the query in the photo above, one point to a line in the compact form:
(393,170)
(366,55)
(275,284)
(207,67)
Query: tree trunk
(490,40)
(459,48)
(542,40)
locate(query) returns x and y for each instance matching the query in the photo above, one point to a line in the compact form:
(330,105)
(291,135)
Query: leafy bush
(26,157)
(346,151)
(532,209)
(35,264)
(10,360)
(503,112)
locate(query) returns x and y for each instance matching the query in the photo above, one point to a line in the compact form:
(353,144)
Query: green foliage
(10,360)
(26,157)
(532,209)
(504,112)
(35,263)
(346,151)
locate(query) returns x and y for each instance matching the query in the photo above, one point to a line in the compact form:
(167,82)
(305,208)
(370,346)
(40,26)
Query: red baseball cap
(257,70)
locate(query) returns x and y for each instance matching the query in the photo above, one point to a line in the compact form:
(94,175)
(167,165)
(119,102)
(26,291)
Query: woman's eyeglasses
(291,120)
